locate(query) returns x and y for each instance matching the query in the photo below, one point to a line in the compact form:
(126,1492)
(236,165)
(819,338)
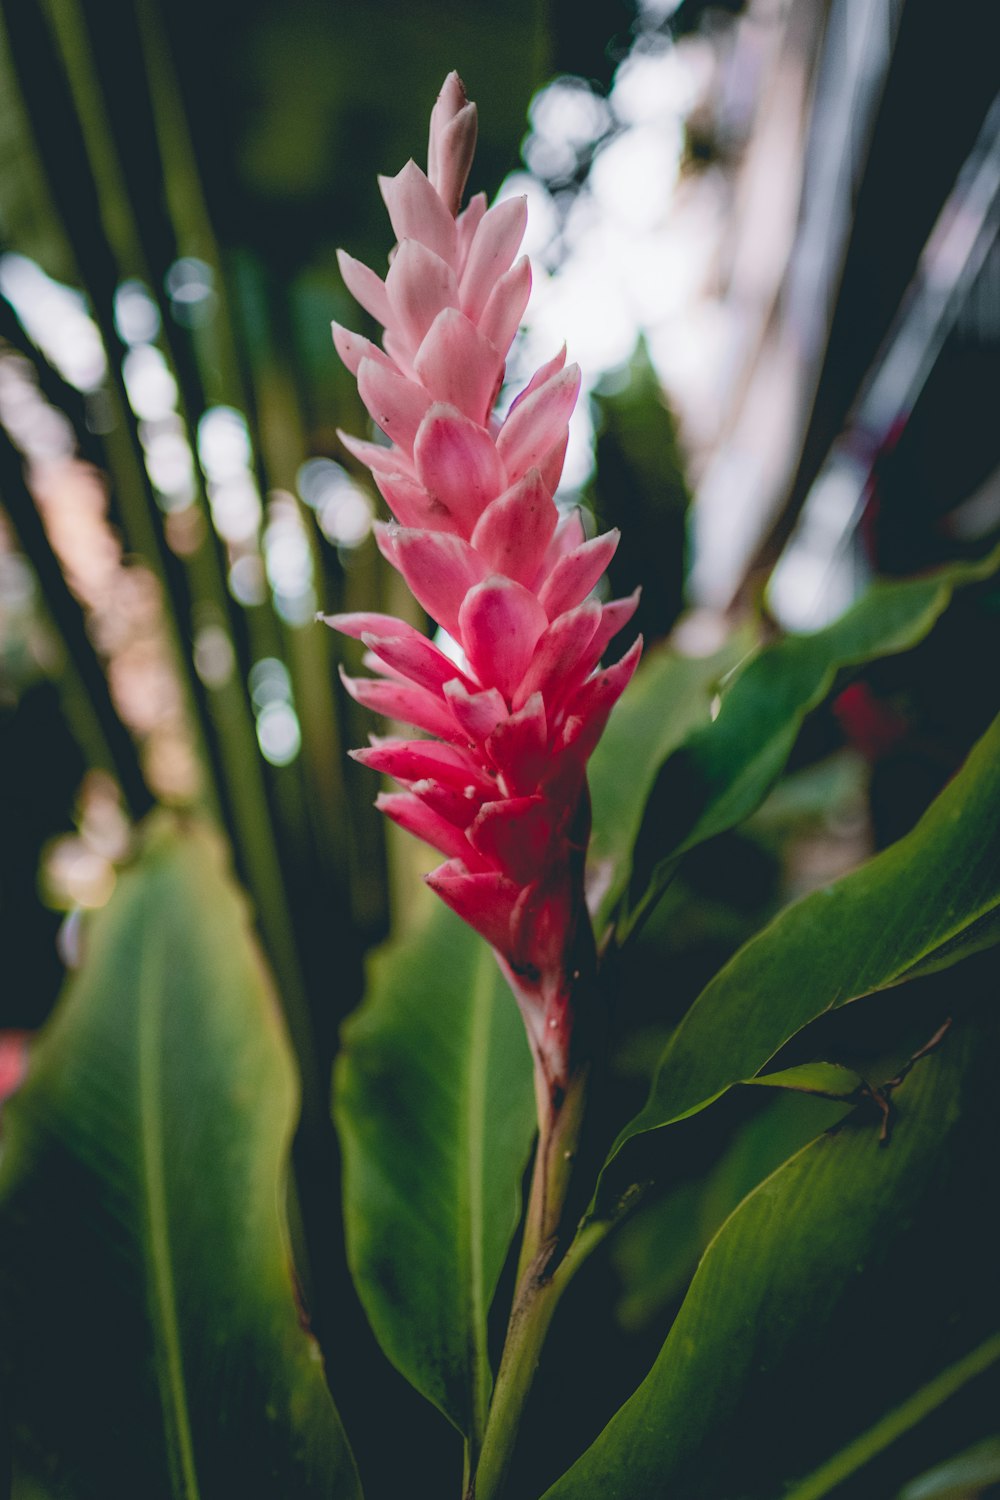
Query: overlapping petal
(512,707)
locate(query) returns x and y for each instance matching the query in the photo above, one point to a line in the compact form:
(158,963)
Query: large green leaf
(656,1251)
(153,1345)
(845,1283)
(670,697)
(434,1106)
(925,901)
(724,769)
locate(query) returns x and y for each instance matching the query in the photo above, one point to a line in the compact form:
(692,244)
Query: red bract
(501,788)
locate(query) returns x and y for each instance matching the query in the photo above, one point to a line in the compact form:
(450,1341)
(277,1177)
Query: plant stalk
(560,1124)
(542,1276)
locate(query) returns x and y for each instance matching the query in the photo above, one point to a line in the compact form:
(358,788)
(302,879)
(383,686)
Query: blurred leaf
(924,898)
(318,99)
(26,219)
(639,485)
(670,696)
(832,789)
(853,1269)
(963,1477)
(434,1106)
(724,769)
(153,1344)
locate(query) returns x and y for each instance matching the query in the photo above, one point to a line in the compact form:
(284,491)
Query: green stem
(536,1301)
(558,1139)
(542,1277)
(566,1025)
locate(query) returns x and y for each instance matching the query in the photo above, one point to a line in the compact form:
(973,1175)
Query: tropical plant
(796,1222)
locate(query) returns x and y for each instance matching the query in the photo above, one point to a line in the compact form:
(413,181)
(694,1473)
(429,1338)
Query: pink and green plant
(500,786)
(835,1214)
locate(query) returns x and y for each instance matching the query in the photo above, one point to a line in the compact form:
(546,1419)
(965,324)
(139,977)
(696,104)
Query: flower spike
(500,786)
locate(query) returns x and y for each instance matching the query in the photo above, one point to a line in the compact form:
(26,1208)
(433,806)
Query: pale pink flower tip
(500,789)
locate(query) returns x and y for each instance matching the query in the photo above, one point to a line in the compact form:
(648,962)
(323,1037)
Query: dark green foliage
(827,1306)
(639,485)
(151,1339)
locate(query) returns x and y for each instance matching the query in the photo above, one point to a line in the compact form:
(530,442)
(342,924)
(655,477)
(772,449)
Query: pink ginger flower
(500,785)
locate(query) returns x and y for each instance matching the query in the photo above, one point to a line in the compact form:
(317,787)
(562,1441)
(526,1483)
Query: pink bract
(13,1061)
(501,787)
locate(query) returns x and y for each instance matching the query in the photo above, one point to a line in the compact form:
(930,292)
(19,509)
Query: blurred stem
(309,649)
(184,189)
(117,751)
(209,356)
(110,244)
(60,142)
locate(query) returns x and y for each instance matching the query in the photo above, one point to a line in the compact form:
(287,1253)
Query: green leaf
(840,1288)
(656,1251)
(922,902)
(724,769)
(670,696)
(435,1110)
(153,1345)
(829,1080)
(952,1480)
(967,1474)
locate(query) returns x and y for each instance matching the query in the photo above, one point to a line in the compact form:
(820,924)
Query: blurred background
(768,231)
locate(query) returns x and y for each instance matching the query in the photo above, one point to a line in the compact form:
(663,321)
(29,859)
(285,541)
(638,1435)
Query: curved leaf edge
(874,1440)
(940,953)
(939,586)
(162,839)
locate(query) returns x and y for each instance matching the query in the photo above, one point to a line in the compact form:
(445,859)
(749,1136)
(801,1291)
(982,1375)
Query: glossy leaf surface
(828,1080)
(724,769)
(435,1110)
(926,900)
(152,1340)
(853,1268)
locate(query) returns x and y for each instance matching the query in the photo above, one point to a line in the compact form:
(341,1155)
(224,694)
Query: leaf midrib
(160,1281)
(472,1189)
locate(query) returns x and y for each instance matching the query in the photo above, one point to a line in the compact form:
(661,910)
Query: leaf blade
(724,769)
(865,932)
(141,1213)
(827,1080)
(434,1107)
(847,1249)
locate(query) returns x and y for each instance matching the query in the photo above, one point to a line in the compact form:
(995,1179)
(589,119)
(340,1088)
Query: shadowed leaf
(670,696)
(921,903)
(854,1268)
(152,1344)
